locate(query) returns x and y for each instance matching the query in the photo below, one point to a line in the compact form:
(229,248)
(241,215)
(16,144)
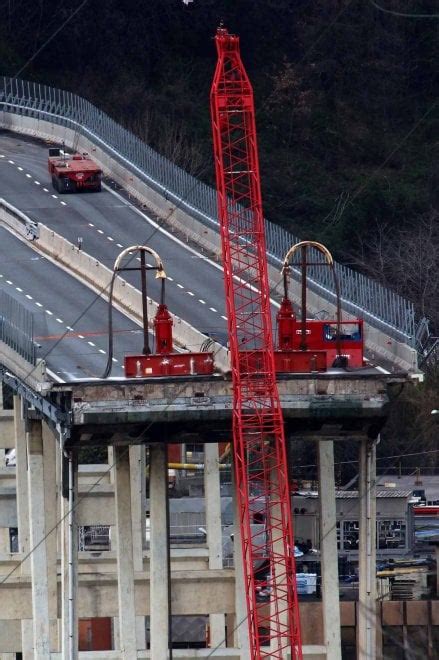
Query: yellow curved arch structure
(318,246)
(160,274)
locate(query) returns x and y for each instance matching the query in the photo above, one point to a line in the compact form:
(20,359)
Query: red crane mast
(258,433)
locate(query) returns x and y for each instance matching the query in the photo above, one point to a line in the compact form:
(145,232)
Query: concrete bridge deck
(334,405)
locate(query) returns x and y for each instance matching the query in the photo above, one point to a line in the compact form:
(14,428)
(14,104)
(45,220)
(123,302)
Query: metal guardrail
(16,327)
(361,295)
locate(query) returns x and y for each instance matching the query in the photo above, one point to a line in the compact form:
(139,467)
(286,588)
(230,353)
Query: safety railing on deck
(16,327)
(361,295)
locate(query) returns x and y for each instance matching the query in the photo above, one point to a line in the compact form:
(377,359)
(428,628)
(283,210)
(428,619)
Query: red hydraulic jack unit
(165,361)
(325,343)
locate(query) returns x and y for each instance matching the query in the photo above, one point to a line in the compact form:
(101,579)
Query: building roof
(353,494)
(380,492)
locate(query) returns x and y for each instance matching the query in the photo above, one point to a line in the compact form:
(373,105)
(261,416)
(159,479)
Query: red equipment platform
(168,364)
(73,173)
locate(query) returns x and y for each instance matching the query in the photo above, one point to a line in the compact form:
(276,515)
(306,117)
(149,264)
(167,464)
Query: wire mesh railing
(16,327)
(361,295)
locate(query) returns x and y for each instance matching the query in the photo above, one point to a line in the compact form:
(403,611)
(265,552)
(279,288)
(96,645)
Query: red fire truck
(73,172)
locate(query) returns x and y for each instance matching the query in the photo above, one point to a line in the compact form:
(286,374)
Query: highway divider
(88,270)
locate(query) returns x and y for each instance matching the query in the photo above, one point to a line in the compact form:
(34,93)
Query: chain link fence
(361,295)
(16,327)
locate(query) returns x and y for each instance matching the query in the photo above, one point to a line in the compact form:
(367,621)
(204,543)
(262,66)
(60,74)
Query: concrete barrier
(95,275)
(32,375)
(378,343)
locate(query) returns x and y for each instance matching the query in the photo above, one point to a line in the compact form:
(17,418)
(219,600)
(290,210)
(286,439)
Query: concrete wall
(400,354)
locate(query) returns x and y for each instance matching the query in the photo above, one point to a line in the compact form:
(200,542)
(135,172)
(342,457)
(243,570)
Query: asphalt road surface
(107,223)
(70,321)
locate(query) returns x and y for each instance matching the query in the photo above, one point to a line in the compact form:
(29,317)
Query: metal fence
(361,295)
(16,327)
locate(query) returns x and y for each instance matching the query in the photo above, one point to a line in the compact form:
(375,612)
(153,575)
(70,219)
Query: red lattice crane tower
(258,433)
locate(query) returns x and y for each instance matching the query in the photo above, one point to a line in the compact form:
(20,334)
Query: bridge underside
(120,412)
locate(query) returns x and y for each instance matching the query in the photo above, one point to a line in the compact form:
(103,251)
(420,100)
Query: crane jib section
(258,434)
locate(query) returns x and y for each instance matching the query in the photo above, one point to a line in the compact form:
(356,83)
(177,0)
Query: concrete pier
(367,601)
(328,551)
(159,580)
(125,559)
(37,527)
(212,500)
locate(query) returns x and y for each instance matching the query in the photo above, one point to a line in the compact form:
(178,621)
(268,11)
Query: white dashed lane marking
(212,309)
(60,320)
(81,336)
(189,293)
(180,286)
(11,161)
(49,312)
(224,317)
(38,304)
(119,245)
(100,231)
(54,196)
(29,297)
(18,289)
(109,238)
(20,169)
(29,176)
(64,203)
(8,282)
(37,183)
(90,224)
(203,302)
(90,343)
(45,190)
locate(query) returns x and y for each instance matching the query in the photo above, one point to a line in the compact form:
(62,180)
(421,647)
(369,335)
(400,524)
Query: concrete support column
(137,479)
(50,503)
(125,561)
(158,569)
(37,525)
(27,639)
(328,551)
(242,640)
(212,499)
(69,555)
(21,484)
(366,639)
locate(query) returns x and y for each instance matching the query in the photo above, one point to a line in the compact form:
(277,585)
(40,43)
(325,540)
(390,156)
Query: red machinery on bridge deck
(73,173)
(165,362)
